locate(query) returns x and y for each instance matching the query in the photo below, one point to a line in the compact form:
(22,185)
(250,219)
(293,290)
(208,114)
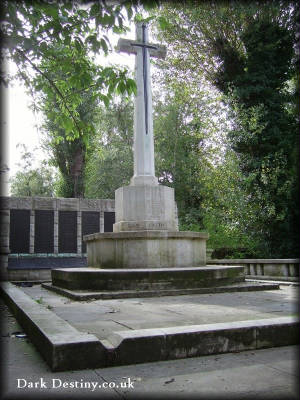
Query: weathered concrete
(83,295)
(142,208)
(143,279)
(279,280)
(255,374)
(262,268)
(59,203)
(199,340)
(146,249)
(103,317)
(64,347)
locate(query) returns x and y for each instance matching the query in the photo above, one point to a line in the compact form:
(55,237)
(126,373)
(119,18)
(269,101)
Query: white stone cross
(143,149)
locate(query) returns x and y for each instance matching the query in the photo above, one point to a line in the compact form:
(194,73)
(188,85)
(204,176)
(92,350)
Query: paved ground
(102,317)
(262,374)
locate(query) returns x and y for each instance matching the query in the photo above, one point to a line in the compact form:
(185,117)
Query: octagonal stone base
(146,249)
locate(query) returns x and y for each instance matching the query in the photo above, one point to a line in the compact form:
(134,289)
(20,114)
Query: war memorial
(138,299)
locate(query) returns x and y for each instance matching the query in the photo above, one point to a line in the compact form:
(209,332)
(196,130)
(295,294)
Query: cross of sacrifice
(143,123)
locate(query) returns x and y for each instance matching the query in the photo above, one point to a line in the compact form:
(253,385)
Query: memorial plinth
(109,280)
(145,250)
(142,208)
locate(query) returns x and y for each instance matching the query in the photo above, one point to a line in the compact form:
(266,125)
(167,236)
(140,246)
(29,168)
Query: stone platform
(94,283)
(87,295)
(122,279)
(72,335)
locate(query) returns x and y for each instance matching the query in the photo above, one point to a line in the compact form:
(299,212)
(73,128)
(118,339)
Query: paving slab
(116,332)
(99,317)
(257,374)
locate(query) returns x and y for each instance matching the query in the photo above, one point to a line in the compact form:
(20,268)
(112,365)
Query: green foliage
(196,32)
(68,148)
(39,33)
(246,198)
(188,141)
(30,181)
(111,162)
(52,45)
(247,51)
(35,182)
(228,214)
(179,137)
(265,135)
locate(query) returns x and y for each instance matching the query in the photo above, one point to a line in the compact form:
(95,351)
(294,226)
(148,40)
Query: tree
(247,51)
(228,216)
(179,148)
(190,127)
(32,31)
(111,162)
(30,181)
(265,134)
(68,151)
(52,44)
(196,31)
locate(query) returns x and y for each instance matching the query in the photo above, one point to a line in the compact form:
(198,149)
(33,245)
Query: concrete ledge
(146,345)
(61,345)
(265,268)
(267,278)
(127,294)
(29,275)
(65,348)
(146,279)
(146,234)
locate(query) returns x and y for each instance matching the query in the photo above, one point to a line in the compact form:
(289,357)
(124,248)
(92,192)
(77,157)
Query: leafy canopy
(37,35)
(31,180)
(248,51)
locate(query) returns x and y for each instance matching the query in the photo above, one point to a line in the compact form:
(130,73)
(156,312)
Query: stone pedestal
(145,208)
(146,249)
(146,233)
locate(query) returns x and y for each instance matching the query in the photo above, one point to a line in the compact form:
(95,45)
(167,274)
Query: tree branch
(52,85)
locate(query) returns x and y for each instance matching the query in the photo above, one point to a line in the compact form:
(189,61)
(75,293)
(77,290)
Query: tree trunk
(77,172)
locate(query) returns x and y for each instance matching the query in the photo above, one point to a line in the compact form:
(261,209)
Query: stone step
(84,295)
(138,279)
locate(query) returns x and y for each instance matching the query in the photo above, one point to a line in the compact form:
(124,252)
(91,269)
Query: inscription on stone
(109,220)
(67,232)
(153,203)
(144,225)
(44,231)
(19,231)
(90,224)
